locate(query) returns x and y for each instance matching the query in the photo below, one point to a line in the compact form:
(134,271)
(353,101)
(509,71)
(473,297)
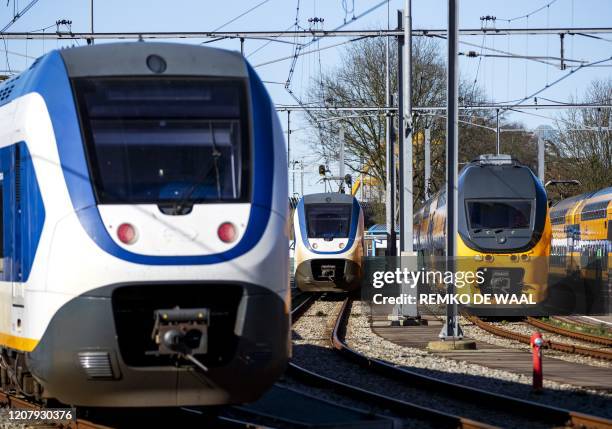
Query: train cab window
(328,220)
(514,214)
(156,141)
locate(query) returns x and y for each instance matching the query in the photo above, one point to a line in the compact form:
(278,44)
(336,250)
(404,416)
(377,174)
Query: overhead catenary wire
(18,14)
(527,15)
(565,76)
(473,54)
(241,15)
(312,51)
(422,32)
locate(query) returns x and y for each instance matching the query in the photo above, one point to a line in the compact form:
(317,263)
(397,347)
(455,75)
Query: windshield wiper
(216,154)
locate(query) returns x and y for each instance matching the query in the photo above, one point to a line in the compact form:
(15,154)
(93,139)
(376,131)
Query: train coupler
(181,331)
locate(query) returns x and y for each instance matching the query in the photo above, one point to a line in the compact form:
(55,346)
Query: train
(328,235)
(144,242)
(581,253)
(504,234)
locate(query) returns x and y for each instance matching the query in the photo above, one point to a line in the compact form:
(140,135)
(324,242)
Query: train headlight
(524,258)
(126,233)
(478,257)
(227,232)
(341,245)
(514,258)
(315,245)
(489,258)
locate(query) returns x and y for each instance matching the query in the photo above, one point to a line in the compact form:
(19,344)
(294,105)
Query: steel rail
(561,347)
(401,407)
(582,336)
(504,403)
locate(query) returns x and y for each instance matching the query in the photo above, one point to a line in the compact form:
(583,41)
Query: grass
(600,330)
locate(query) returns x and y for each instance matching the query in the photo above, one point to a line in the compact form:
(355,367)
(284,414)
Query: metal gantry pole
(540,157)
(406,154)
(302,178)
(497,132)
(427,162)
(288,137)
(451,329)
(92,20)
(341,158)
(293,177)
(400,127)
(390,167)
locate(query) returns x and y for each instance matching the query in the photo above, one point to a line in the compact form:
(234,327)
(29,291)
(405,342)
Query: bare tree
(360,81)
(584,147)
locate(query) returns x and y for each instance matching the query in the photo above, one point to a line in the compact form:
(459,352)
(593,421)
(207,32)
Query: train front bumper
(309,275)
(96,350)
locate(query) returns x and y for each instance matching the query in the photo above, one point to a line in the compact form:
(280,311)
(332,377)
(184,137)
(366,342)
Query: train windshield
(173,140)
(514,214)
(328,220)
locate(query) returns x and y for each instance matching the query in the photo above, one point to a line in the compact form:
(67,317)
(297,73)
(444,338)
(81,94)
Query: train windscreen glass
(174,140)
(328,220)
(514,214)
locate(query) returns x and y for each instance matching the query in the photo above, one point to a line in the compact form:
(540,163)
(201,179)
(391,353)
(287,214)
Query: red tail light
(126,233)
(227,232)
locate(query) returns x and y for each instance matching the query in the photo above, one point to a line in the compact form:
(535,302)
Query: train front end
(161,276)
(328,243)
(504,237)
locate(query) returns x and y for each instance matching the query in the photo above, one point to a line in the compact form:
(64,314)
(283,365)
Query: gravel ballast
(474,331)
(361,338)
(312,351)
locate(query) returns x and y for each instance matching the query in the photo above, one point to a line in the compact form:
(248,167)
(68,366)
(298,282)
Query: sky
(502,79)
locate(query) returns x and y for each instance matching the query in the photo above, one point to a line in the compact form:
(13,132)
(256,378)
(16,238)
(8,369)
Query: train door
(12,212)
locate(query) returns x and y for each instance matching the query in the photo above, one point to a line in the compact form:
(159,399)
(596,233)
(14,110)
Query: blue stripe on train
(23,216)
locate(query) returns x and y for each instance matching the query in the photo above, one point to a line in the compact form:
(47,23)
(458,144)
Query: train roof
(501,179)
(570,202)
(125,59)
(157,58)
(604,191)
(328,197)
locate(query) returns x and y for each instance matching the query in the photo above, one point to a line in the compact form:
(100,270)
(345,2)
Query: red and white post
(537,342)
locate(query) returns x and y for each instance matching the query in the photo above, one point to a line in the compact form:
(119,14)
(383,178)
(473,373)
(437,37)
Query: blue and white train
(328,230)
(144,242)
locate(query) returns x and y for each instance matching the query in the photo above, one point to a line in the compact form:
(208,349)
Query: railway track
(400,407)
(505,404)
(582,336)
(557,346)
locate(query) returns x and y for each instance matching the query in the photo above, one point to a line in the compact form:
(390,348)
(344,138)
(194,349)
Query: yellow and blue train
(504,232)
(581,255)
